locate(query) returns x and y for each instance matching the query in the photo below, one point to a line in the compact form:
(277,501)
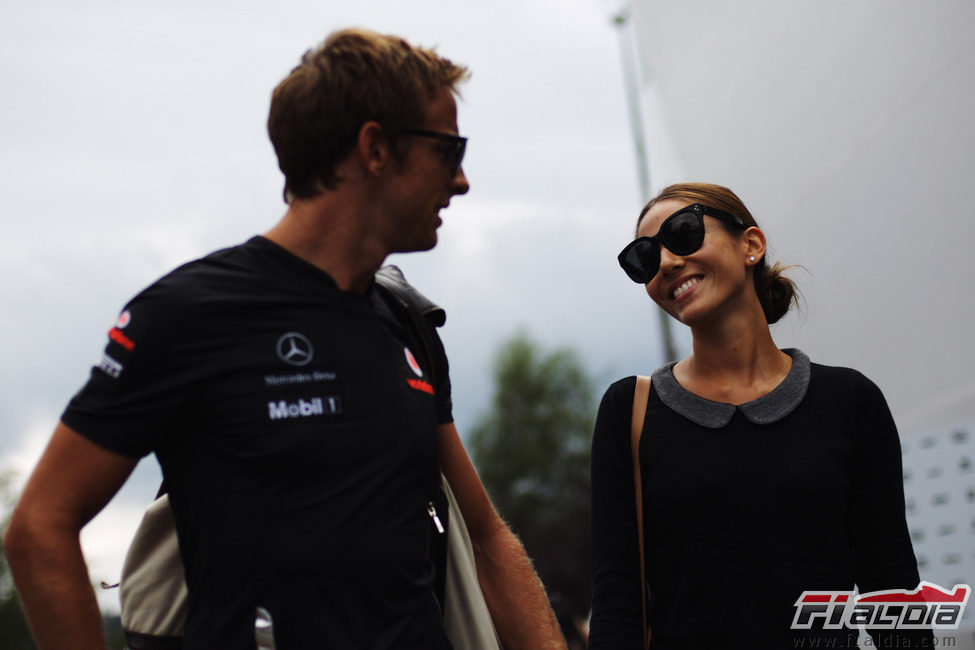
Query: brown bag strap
(641,395)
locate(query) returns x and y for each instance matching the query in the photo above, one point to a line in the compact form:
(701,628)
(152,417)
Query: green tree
(532,452)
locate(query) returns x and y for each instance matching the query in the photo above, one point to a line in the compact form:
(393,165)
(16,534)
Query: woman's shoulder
(842,379)
(618,397)
(617,401)
(622,385)
(838,373)
(611,433)
(620,391)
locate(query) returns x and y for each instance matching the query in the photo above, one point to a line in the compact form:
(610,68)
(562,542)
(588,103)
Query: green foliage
(113,631)
(14,633)
(532,452)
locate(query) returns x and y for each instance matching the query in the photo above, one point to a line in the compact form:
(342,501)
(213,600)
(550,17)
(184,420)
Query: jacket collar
(767,409)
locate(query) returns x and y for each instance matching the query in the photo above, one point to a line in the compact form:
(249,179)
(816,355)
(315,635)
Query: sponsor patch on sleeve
(110,366)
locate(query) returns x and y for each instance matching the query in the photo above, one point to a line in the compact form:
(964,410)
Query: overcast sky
(134,139)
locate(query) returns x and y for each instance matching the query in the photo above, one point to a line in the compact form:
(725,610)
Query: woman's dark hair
(776,293)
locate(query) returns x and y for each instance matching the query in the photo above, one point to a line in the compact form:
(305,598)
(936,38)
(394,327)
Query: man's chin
(419,246)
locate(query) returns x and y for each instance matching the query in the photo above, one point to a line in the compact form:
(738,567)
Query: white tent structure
(848,128)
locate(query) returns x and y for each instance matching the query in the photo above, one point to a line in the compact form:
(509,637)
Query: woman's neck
(735,362)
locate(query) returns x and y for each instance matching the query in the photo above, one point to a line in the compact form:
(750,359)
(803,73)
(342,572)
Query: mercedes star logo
(295,348)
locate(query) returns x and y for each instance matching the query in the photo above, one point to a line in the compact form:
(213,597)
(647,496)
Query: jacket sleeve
(881,541)
(616,608)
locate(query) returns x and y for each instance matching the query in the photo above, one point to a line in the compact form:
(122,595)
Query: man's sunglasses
(459,143)
(682,233)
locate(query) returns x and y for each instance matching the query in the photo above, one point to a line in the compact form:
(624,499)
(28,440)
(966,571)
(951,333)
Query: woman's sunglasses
(682,233)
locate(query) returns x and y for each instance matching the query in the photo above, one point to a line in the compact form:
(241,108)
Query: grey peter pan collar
(714,415)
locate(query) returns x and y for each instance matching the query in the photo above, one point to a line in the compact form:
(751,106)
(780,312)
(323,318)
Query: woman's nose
(669,260)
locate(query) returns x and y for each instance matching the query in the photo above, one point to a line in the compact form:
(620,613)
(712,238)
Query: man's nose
(459,184)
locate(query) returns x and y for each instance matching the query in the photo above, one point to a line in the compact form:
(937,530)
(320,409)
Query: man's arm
(522,614)
(73,480)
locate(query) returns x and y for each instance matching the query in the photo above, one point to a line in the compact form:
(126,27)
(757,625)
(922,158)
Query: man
(298,432)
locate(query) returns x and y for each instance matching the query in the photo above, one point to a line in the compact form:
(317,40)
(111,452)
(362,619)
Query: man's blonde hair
(353,77)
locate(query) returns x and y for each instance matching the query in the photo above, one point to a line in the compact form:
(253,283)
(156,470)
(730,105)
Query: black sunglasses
(682,233)
(459,142)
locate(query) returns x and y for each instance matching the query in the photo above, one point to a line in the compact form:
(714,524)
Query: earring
(751,258)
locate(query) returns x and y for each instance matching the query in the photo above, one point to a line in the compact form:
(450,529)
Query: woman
(763,474)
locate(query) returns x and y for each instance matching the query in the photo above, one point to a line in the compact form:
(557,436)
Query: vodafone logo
(411,362)
(123,319)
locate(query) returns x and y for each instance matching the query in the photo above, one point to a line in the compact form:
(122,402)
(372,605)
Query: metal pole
(631,83)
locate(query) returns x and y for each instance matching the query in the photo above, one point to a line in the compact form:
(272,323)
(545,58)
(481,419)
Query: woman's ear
(753,241)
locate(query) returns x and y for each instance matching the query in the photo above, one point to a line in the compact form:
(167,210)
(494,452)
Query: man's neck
(333,234)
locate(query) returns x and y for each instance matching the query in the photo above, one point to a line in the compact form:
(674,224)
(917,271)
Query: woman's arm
(881,541)
(616,606)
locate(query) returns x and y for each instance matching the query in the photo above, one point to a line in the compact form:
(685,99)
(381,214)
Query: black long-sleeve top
(745,507)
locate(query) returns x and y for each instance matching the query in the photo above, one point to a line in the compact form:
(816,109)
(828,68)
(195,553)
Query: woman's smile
(684,287)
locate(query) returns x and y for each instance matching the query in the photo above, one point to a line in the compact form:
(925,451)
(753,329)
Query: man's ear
(372,148)
(753,241)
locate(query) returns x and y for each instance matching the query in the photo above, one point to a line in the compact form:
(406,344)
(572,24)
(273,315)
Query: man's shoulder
(191,289)
(233,266)
(226,263)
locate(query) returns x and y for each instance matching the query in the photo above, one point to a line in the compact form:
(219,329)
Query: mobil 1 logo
(304,407)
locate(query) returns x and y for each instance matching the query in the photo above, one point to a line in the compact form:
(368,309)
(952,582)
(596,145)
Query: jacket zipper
(432,511)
